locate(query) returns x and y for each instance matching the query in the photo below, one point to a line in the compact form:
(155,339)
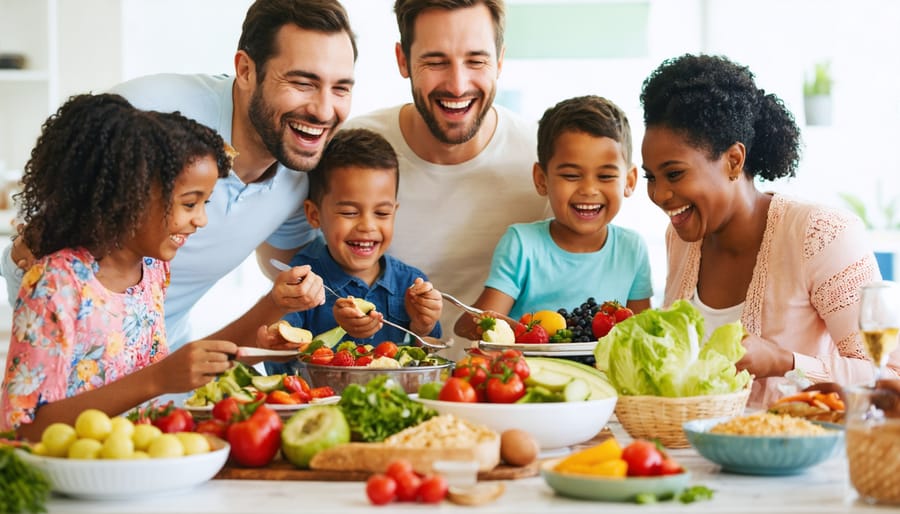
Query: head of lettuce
(659,353)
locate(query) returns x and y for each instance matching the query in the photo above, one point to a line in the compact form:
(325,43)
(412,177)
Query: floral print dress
(70,334)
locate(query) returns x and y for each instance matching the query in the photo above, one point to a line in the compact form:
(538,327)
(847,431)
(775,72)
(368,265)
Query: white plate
(545,350)
(127,479)
(278,407)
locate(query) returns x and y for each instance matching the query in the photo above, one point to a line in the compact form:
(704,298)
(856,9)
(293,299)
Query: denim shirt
(387,293)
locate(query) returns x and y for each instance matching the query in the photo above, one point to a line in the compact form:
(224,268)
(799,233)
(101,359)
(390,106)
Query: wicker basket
(658,417)
(873,454)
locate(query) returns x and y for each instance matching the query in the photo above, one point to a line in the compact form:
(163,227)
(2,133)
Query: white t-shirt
(452,216)
(715,318)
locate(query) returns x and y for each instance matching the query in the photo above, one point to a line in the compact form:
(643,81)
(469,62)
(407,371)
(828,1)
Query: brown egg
(518,447)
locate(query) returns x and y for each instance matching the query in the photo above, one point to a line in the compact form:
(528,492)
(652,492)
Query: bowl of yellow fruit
(112,458)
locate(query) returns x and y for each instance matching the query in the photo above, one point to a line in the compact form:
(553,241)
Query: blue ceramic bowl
(763,455)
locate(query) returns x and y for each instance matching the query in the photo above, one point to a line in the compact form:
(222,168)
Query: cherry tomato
(381,489)
(171,420)
(386,349)
(508,391)
(214,427)
(514,361)
(407,486)
(398,467)
(433,489)
(643,458)
(474,368)
(226,409)
(322,356)
(256,440)
(457,390)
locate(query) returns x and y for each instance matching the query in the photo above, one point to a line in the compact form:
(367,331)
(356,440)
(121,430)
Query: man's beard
(434,125)
(261,116)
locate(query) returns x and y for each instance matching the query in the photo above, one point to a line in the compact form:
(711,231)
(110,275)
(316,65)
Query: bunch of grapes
(579,320)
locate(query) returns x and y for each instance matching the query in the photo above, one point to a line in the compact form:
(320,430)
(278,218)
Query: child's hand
(195,364)
(298,289)
(351,319)
(424,305)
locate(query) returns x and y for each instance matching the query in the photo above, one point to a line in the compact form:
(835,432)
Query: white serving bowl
(553,425)
(125,479)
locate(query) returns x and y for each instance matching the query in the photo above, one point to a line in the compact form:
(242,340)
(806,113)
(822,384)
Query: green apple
(312,430)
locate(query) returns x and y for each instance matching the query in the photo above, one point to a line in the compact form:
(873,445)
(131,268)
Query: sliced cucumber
(577,390)
(596,379)
(268,383)
(547,378)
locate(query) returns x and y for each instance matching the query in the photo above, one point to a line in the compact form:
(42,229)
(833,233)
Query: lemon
(57,438)
(139,455)
(39,449)
(117,446)
(165,446)
(143,435)
(193,442)
(551,321)
(85,449)
(94,424)
(124,425)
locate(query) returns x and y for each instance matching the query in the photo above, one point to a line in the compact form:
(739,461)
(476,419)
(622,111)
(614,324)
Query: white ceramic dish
(283,409)
(545,350)
(127,479)
(553,425)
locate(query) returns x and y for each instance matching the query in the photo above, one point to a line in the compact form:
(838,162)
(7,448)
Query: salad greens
(22,487)
(659,353)
(379,409)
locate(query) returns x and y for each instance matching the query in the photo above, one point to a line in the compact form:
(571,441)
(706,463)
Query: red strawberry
(610,307)
(623,313)
(343,358)
(363,360)
(533,333)
(602,323)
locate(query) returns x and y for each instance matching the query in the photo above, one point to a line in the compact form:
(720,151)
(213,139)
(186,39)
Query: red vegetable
(643,458)
(505,389)
(457,390)
(255,440)
(381,489)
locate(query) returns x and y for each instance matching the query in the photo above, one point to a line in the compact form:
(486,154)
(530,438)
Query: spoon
(428,344)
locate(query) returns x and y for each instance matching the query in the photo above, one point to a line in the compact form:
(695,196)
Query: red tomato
(514,361)
(322,356)
(670,467)
(386,349)
(457,390)
(381,489)
(407,486)
(398,467)
(256,440)
(171,420)
(321,392)
(474,368)
(500,391)
(433,489)
(363,360)
(602,324)
(226,409)
(643,458)
(214,427)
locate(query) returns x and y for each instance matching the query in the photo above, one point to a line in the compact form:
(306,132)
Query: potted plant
(817,95)
(883,224)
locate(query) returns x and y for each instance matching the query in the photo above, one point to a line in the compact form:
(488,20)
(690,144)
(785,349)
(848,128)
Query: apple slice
(290,333)
(364,305)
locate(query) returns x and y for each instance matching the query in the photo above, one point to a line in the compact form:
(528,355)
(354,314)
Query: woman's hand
(19,252)
(765,358)
(195,364)
(357,324)
(297,289)
(424,305)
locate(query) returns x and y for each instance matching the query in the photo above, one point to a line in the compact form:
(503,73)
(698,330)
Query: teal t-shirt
(528,266)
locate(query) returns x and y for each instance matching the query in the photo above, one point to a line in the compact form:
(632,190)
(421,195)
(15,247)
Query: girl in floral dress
(110,194)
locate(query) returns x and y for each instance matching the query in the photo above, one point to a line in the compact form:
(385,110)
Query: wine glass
(879,321)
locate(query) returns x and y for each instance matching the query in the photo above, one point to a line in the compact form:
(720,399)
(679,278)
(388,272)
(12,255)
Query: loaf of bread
(439,438)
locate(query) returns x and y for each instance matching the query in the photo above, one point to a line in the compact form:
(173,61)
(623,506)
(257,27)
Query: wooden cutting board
(283,470)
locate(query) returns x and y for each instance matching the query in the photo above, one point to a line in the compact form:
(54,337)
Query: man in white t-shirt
(465,164)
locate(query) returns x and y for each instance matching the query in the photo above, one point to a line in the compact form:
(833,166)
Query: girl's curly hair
(88,181)
(715,103)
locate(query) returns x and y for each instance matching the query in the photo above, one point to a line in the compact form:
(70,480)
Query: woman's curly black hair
(88,181)
(715,103)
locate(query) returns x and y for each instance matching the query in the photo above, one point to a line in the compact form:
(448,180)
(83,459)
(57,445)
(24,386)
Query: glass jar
(873,441)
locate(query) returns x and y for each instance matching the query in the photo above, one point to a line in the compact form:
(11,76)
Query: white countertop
(822,489)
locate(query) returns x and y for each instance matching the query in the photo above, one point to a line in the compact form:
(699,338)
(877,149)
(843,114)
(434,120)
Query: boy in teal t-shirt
(584,168)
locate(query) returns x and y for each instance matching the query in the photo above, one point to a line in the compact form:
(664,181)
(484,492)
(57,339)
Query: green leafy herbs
(22,487)
(689,495)
(659,353)
(380,409)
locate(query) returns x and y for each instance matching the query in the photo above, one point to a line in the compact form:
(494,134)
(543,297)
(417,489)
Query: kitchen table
(822,489)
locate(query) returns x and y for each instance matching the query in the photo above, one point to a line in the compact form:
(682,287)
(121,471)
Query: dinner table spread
(822,489)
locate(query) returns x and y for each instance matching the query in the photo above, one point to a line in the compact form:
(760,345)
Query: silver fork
(428,344)
(468,308)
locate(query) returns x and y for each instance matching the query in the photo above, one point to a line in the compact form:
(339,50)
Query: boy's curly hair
(589,114)
(88,181)
(714,103)
(352,148)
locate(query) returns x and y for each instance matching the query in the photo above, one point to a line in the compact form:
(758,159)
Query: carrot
(831,400)
(803,396)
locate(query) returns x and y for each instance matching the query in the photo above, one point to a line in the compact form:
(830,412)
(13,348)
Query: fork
(468,308)
(437,346)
